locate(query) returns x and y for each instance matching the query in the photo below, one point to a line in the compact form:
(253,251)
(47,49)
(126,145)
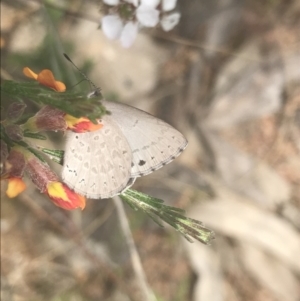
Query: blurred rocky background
(228,77)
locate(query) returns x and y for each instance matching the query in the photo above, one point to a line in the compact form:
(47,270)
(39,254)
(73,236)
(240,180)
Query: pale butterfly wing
(97,164)
(153,142)
(132,143)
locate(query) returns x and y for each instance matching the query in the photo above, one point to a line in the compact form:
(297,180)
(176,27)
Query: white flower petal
(129,34)
(150,3)
(111,2)
(168,5)
(147,15)
(112,26)
(168,22)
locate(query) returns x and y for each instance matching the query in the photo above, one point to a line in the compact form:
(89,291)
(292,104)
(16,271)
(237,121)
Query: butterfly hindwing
(97,164)
(131,143)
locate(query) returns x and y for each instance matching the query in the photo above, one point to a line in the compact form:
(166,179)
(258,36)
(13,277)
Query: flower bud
(15,164)
(47,119)
(14,132)
(15,110)
(13,170)
(40,173)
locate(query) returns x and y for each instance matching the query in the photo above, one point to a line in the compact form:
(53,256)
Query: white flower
(147,15)
(112,26)
(168,22)
(111,2)
(151,3)
(168,5)
(129,34)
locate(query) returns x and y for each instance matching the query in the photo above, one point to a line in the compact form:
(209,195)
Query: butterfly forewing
(97,164)
(153,142)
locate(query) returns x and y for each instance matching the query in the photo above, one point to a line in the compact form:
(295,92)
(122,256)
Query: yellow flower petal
(56,190)
(15,187)
(81,125)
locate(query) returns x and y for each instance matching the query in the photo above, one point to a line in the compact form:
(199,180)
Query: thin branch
(77,237)
(135,258)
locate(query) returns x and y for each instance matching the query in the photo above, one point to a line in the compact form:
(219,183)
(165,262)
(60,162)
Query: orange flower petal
(15,187)
(62,196)
(60,86)
(46,78)
(81,125)
(29,73)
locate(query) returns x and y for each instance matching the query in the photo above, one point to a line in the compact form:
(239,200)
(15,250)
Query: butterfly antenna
(97,89)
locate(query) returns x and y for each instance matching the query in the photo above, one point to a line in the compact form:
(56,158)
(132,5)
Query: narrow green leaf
(156,209)
(77,104)
(37,154)
(34,135)
(55,155)
(129,203)
(155,219)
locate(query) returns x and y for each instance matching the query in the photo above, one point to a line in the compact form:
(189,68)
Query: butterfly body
(131,143)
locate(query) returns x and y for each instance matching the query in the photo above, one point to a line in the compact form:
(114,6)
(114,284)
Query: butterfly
(131,144)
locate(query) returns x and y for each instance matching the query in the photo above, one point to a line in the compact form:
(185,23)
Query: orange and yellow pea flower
(46,78)
(81,125)
(15,187)
(13,170)
(48,183)
(40,173)
(62,196)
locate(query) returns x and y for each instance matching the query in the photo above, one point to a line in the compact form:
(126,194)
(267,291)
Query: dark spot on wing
(142,162)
